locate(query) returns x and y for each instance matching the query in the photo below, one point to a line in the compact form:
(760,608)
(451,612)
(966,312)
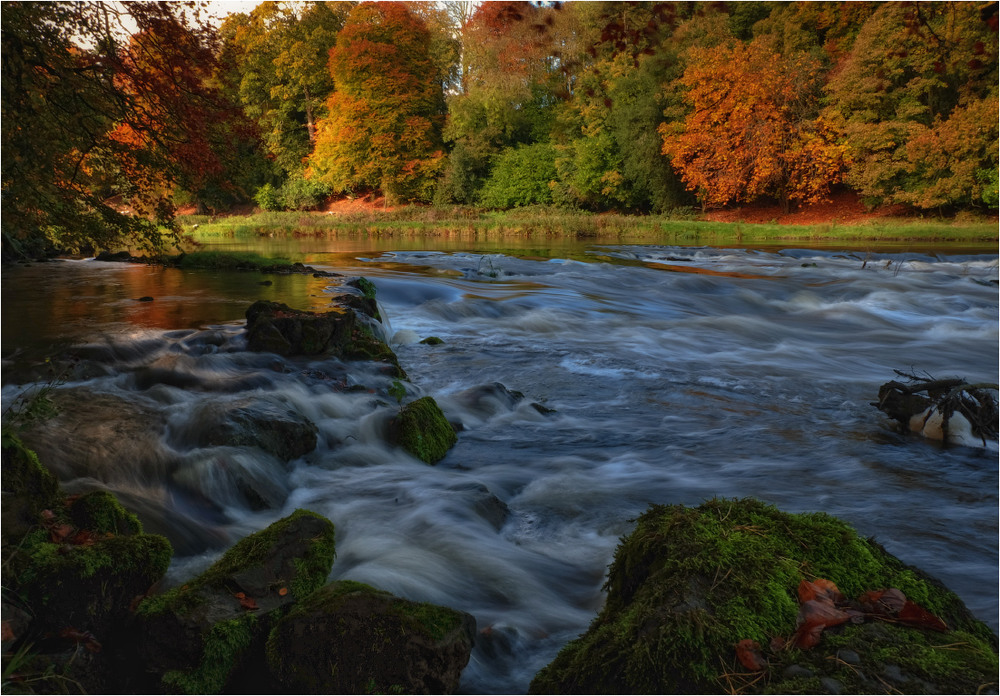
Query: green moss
(24,476)
(434,620)
(689,583)
(432,341)
(366,287)
(422,430)
(313,565)
(100,511)
(224,646)
(228,260)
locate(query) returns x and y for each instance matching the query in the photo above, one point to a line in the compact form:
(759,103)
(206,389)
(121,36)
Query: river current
(666,375)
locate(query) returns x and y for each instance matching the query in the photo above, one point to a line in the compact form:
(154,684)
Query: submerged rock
(690,583)
(268,424)
(422,430)
(349,638)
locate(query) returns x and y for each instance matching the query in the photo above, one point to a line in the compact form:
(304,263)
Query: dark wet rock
(346,332)
(688,583)
(106,436)
(489,399)
(849,656)
(422,430)
(201,637)
(267,424)
(796,672)
(432,341)
(351,638)
(234,477)
(28,487)
(145,298)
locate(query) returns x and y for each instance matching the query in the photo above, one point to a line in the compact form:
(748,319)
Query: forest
(114,115)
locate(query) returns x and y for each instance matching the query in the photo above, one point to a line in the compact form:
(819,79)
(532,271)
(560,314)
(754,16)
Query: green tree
(384,119)
(912,70)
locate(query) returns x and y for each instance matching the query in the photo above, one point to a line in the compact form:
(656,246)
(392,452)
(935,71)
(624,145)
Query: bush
(267,198)
(300,193)
(521,176)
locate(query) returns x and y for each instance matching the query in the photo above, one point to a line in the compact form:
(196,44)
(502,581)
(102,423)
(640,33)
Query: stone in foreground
(690,583)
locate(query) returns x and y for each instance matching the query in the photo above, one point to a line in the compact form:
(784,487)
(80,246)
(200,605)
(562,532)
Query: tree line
(628,106)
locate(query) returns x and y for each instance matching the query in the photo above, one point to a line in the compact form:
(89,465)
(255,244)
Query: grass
(545,222)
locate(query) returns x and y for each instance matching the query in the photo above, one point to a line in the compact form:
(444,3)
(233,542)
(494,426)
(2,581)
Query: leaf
(59,533)
(819,588)
(814,616)
(283,591)
(882,602)
(913,614)
(84,638)
(749,654)
(247,603)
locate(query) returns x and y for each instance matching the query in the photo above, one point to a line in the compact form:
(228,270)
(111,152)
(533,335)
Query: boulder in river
(710,600)
(349,638)
(345,332)
(268,424)
(422,430)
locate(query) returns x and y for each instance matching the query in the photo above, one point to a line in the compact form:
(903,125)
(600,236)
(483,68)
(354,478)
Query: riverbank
(843,221)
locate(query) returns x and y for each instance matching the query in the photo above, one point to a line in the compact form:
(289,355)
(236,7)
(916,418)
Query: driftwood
(941,408)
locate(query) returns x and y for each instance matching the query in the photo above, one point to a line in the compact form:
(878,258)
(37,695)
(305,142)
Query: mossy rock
(89,586)
(422,430)
(432,341)
(28,488)
(100,511)
(201,634)
(689,583)
(351,638)
(277,328)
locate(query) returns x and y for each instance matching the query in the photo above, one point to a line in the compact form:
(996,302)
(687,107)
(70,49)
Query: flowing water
(667,375)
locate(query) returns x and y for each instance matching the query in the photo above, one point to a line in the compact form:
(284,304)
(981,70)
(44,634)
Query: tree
(68,86)
(279,54)
(752,130)
(384,119)
(913,68)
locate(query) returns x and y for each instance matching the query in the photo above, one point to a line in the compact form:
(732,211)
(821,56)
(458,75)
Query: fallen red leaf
(883,602)
(283,591)
(83,538)
(84,638)
(59,532)
(913,614)
(814,616)
(749,654)
(819,588)
(248,603)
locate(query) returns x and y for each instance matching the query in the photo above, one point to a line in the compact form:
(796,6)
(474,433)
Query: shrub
(521,176)
(300,193)
(267,198)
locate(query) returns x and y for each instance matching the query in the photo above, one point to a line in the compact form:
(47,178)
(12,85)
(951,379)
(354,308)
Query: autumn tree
(84,116)
(916,98)
(278,57)
(752,129)
(384,119)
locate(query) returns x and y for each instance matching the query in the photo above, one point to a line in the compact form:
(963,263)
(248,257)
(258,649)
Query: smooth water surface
(673,374)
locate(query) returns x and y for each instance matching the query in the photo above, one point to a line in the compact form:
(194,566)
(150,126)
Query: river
(673,374)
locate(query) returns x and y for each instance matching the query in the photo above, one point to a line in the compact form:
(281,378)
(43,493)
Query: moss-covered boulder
(28,487)
(422,430)
(345,332)
(203,635)
(350,638)
(690,583)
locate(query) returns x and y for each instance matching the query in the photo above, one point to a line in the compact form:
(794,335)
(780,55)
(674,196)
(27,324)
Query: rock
(689,583)
(145,298)
(422,430)
(269,424)
(345,333)
(199,637)
(432,341)
(28,487)
(351,638)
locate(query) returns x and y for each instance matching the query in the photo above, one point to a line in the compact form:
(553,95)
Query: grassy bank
(413,221)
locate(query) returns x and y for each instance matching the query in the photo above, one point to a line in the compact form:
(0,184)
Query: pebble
(793,671)
(831,685)
(849,656)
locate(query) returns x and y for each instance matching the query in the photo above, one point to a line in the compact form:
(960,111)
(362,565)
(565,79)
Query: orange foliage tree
(383,130)
(752,130)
